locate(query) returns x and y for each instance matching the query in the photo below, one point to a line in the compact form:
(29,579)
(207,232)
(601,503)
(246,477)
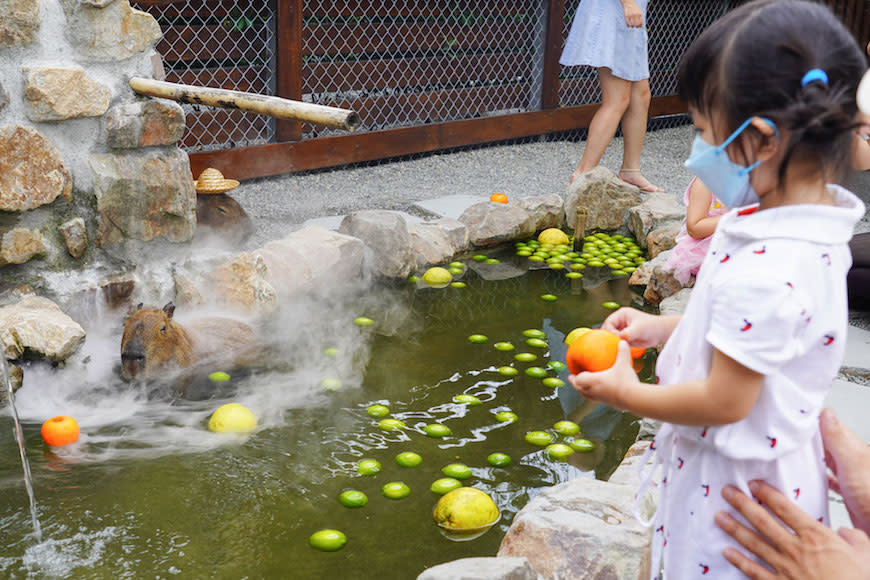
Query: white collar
(826,224)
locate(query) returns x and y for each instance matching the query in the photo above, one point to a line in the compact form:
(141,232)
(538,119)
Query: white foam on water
(60,557)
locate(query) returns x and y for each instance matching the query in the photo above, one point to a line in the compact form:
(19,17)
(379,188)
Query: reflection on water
(149,492)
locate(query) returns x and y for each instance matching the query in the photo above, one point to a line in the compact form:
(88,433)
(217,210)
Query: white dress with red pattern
(771,294)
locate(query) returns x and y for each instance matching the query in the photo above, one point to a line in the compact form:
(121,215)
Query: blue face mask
(728,181)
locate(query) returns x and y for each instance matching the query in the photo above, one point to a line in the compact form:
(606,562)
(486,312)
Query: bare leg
(615,99)
(634,132)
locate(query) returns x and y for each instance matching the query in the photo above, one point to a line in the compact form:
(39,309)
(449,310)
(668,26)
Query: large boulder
(32,171)
(20,245)
(311,258)
(546,211)
(38,326)
(144,123)
(492,224)
(662,283)
(19,22)
(662,239)
(111,32)
(656,211)
(241,283)
(143,195)
(605,198)
(436,242)
(583,528)
(61,93)
(675,303)
(386,236)
(482,569)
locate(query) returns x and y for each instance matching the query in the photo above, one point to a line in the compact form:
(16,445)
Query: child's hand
(633,14)
(636,327)
(611,387)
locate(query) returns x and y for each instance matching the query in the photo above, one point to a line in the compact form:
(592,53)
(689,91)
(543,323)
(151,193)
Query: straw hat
(212,181)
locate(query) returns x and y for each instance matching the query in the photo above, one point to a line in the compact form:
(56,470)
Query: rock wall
(85,163)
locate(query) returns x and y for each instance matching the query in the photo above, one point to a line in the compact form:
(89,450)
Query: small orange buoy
(498,198)
(60,430)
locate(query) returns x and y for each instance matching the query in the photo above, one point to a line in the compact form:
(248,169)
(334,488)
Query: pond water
(148,491)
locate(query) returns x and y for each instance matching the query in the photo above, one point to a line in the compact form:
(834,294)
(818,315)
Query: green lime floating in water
(456,271)
(540,438)
(536,372)
(524,253)
(566,427)
(330,385)
(582,445)
(437,430)
(479,258)
(445,484)
(353,498)
(409,459)
(611,305)
(549,297)
(537,343)
(457,265)
(331,351)
(498,459)
(506,417)
(368,466)
(559,451)
(327,540)
(534,333)
(557,266)
(573,275)
(413,279)
(363,321)
(391,424)
(478,338)
(503,346)
(492,261)
(552,382)
(457,284)
(219,377)
(469,400)
(525,357)
(456,470)
(378,410)
(396,490)
(508,371)
(557,365)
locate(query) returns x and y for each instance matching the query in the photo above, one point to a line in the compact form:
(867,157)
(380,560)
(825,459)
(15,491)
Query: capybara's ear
(139,307)
(169,309)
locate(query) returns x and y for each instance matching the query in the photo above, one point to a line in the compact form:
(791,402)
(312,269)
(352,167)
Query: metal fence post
(552,51)
(288,63)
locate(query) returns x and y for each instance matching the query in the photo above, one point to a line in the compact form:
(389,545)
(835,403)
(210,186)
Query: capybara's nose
(132,362)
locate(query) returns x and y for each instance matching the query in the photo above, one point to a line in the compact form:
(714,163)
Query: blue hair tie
(815,74)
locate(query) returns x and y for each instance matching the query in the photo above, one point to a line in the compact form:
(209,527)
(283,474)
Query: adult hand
(848,457)
(638,328)
(613,386)
(811,551)
(633,14)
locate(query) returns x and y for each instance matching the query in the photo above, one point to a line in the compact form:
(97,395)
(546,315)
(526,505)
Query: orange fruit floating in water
(595,351)
(498,198)
(60,430)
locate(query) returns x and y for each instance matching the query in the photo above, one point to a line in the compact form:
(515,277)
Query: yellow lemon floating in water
(437,277)
(465,509)
(232,418)
(553,236)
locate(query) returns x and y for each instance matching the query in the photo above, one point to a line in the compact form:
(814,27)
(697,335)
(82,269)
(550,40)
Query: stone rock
(16,379)
(649,428)
(386,236)
(75,236)
(242,283)
(482,569)
(583,528)
(627,473)
(97,3)
(311,258)
(456,232)
(656,211)
(675,303)
(547,211)
(4,97)
(19,23)
(21,245)
(492,224)
(37,325)
(186,292)
(605,197)
(143,195)
(641,276)
(111,32)
(661,284)
(144,123)
(662,239)
(431,243)
(117,291)
(60,93)
(223,216)
(32,172)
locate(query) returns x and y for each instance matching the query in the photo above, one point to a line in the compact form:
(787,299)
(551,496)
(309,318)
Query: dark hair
(751,63)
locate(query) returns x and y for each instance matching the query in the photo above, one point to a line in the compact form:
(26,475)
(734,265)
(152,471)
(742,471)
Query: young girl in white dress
(611,36)
(744,372)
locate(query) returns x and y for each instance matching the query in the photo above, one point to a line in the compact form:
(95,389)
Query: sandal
(640,181)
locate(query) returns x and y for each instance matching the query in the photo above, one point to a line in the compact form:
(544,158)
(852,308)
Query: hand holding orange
(595,351)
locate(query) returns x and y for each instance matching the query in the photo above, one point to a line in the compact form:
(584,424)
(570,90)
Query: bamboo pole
(277,107)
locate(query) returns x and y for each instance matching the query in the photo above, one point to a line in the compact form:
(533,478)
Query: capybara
(224,215)
(156,346)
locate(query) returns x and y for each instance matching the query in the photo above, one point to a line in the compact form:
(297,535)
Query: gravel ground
(279,205)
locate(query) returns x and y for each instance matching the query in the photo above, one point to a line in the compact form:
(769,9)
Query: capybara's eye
(163,328)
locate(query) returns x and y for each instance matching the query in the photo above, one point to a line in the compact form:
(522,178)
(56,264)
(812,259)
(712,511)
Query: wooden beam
(552,52)
(288,63)
(282,158)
